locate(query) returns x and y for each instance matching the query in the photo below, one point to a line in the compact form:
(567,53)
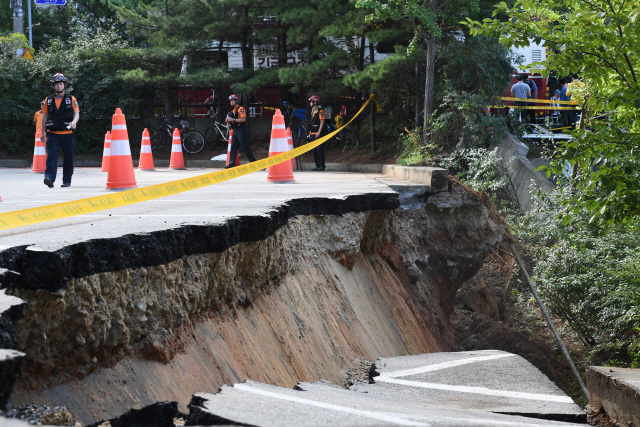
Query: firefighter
(317,125)
(37,119)
(61,114)
(237,118)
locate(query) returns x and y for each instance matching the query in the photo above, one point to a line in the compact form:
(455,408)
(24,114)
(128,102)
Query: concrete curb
(345,167)
(436,178)
(617,392)
(524,176)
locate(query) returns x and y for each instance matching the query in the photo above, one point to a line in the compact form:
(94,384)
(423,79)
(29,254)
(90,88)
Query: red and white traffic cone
(290,141)
(146,158)
(39,155)
(237,163)
(281,172)
(105,152)
(121,173)
(177,159)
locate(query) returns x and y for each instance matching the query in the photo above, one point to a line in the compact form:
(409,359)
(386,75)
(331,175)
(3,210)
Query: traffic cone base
(282,172)
(121,173)
(39,155)
(177,159)
(146,157)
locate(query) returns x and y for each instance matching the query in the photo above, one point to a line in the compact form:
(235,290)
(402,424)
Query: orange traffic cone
(177,159)
(237,163)
(281,172)
(39,155)
(146,158)
(120,163)
(105,152)
(290,142)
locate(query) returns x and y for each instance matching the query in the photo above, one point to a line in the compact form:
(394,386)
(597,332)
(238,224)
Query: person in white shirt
(521,90)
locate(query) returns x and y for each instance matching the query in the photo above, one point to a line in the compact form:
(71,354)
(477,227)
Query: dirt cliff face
(297,305)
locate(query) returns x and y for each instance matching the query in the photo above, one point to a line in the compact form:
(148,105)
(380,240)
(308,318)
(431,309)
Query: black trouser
(240,137)
(318,155)
(55,141)
(522,111)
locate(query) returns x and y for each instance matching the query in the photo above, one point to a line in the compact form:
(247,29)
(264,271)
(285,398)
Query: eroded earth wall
(298,303)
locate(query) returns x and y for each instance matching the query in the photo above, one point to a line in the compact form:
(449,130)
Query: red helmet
(314,98)
(59,78)
(234,97)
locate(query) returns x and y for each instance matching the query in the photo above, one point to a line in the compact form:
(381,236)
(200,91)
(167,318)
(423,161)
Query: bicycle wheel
(157,137)
(211,138)
(193,142)
(350,138)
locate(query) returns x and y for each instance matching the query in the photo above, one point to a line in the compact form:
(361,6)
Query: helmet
(234,97)
(59,78)
(314,98)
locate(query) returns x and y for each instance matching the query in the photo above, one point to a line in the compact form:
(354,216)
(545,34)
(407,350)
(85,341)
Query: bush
(589,276)
(94,81)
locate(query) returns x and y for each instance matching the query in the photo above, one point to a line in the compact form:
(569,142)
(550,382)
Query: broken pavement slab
(490,380)
(616,391)
(10,360)
(484,388)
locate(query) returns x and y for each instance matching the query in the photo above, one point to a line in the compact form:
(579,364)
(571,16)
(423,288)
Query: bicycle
(192,140)
(216,133)
(299,130)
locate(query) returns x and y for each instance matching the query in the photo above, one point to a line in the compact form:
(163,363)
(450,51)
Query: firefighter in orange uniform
(237,118)
(37,119)
(317,126)
(61,114)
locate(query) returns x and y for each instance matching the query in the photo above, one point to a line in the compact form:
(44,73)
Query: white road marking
(444,365)
(476,390)
(391,418)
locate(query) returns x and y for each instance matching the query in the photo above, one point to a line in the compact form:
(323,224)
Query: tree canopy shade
(427,19)
(599,39)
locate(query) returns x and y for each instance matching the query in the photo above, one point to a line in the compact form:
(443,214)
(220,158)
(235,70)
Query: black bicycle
(192,140)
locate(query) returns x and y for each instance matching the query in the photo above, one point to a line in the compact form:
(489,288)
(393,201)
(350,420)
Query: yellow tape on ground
(529,107)
(540,101)
(114,200)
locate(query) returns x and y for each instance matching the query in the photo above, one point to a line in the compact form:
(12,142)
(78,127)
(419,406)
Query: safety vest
(235,114)
(58,119)
(315,120)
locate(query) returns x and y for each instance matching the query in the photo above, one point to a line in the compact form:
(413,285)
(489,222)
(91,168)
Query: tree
(427,19)
(598,39)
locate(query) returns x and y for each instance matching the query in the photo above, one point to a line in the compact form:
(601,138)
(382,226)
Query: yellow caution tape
(373,96)
(523,107)
(542,101)
(109,201)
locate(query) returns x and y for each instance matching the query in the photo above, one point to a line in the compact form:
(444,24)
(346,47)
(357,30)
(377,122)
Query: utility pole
(18,16)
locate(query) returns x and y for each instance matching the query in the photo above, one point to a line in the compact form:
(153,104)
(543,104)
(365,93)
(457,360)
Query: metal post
(18,17)
(551,325)
(30,32)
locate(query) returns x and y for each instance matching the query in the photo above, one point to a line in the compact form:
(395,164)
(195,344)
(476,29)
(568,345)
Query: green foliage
(588,275)
(478,168)
(463,122)
(95,82)
(599,40)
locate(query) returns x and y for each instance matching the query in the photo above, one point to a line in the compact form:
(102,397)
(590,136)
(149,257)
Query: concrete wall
(523,175)
(435,178)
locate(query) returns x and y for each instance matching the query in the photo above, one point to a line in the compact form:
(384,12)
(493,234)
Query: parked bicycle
(299,131)
(192,140)
(216,133)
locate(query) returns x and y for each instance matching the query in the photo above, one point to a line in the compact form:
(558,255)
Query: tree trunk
(167,95)
(418,93)
(282,62)
(372,106)
(244,47)
(428,85)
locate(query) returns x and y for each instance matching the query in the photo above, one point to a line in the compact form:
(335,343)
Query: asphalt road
(248,195)
(485,388)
